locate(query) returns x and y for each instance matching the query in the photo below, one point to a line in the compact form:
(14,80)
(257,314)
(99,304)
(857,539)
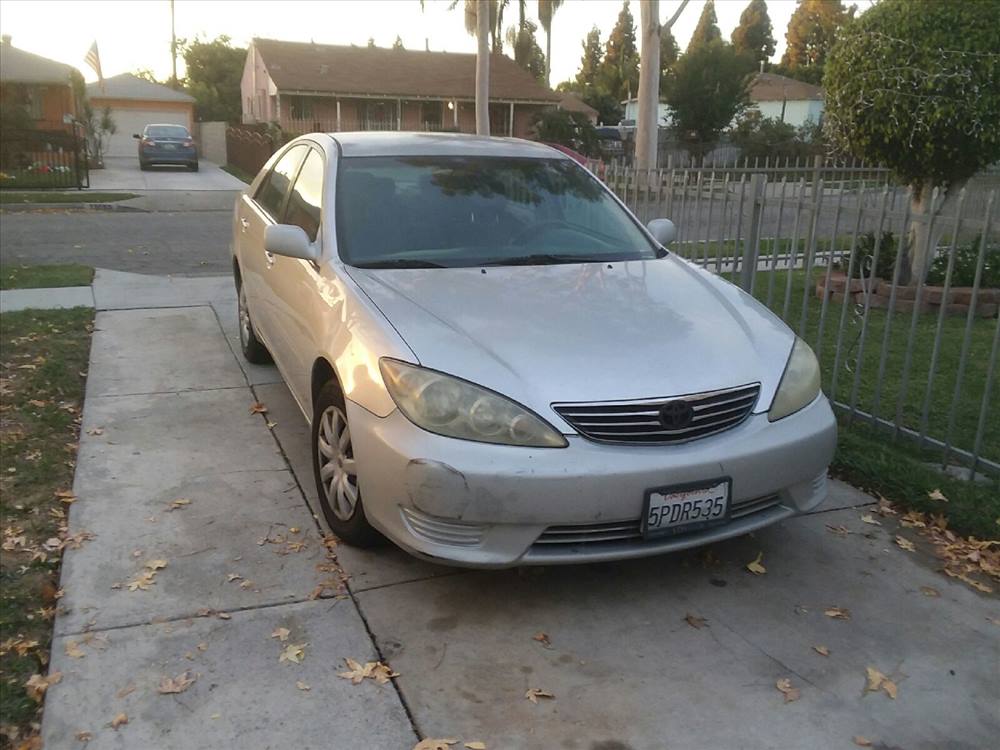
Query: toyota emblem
(676,415)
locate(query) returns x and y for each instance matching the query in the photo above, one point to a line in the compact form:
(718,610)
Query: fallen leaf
(905,543)
(838,613)
(382,673)
(177,684)
(281,634)
(84,736)
(839,530)
(293,652)
(356,671)
(202,647)
(96,431)
(434,744)
(73,650)
(785,686)
(930,591)
(155,565)
(476,745)
(876,681)
(120,719)
(178,503)
(861,741)
(695,622)
(542,638)
(937,495)
(302,686)
(533,694)
(130,688)
(258,408)
(224,615)
(755,565)
(869,518)
(36,685)
(233,577)
(821,650)
(143,581)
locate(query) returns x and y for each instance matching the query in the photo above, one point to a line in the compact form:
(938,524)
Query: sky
(135,34)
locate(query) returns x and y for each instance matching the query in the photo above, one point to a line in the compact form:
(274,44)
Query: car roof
(439,144)
(165,125)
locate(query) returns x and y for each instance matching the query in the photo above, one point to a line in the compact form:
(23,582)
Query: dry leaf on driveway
(73,650)
(785,686)
(839,529)
(258,408)
(155,564)
(755,566)
(904,543)
(937,495)
(930,591)
(838,613)
(374,670)
(177,684)
(876,681)
(870,519)
(84,736)
(434,744)
(533,694)
(695,622)
(143,581)
(293,652)
(821,650)
(180,502)
(475,745)
(861,741)
(120,719)
(302,686)
(281,634)
(542,638)
(36,685)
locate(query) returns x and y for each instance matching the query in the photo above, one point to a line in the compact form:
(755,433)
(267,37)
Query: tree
(707,30)
(371,42)
(590,62)
(483,25)
(494,24)
(571,129)
(214,71)
(915,87)
(755,36)
(547,9)
(145,74)
(812,30)
(620,67)
(767,137)
(398,44)
(708,89)
(527,53)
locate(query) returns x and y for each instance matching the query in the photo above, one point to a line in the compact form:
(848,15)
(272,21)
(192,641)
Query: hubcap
(244,319)
(337,470)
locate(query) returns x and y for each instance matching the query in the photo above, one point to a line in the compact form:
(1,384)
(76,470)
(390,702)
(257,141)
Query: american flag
(93,59)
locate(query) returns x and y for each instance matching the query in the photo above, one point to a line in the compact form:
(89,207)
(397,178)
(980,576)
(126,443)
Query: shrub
(964,271)
(864,254)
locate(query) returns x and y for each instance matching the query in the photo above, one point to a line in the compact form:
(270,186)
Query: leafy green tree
(527,53)
(812,30)
(767,137)
(398,44)
(707,30)
(571,129)
(590,62)
(755,35)
(708,88)
(620,67)
(214,70)
(916,87)
(669,52)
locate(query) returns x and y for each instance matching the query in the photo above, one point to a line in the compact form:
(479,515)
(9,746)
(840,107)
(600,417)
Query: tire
(193,167)
(143,166)
(253,350)
(346,520)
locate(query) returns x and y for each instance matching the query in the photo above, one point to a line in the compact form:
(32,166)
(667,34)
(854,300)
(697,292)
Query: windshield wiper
(400,263)
(540,259)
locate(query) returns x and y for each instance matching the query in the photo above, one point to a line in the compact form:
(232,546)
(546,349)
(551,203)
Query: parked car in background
(502,366)
(166,144)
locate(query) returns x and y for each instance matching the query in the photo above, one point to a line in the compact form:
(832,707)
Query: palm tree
(478,17)
(547,9)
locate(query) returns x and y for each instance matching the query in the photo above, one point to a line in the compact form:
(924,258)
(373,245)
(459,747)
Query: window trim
(284,198)
(310,148)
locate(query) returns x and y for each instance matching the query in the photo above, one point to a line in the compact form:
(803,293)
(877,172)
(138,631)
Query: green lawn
(8,197)
(41,277)
(43,369)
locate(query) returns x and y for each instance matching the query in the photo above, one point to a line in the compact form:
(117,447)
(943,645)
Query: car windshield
(450,211)
(167,131)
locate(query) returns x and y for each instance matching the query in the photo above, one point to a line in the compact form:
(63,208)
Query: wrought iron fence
(31,159)
(907,347)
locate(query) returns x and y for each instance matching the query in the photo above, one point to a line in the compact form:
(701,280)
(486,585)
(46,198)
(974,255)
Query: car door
(266,206)
(294,283)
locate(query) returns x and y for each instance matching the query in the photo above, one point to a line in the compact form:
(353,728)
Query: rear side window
(271,193)
(304,202)
(167,131)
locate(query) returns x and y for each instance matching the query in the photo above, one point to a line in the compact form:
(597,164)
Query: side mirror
(663,230)
(136,135)
(289,240)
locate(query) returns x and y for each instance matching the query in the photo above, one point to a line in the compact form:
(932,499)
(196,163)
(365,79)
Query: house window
(431,115)
(499,119)
(379,114)
(301,108)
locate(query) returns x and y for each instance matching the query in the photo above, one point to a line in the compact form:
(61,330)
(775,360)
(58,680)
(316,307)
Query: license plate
(170,146)
(671,510)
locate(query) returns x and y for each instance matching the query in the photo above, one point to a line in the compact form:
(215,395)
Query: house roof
(128,86)
(335,69)
(572,103)
(18,66)
(770,87)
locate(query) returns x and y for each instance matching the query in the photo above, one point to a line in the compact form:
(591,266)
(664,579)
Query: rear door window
(304,202)
(271,193)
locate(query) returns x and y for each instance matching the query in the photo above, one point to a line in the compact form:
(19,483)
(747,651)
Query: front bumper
(173,156)
(482,505)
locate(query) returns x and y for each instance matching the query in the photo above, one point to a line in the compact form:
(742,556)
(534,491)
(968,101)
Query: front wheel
(336,470)
(253,350)
(193,166)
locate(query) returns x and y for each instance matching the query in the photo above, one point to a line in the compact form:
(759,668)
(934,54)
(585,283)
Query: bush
(964,271)
(766,137)
(864,254)
(570,129)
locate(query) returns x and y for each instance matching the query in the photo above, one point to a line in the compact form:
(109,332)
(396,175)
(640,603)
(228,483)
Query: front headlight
(800,383)
(456,408)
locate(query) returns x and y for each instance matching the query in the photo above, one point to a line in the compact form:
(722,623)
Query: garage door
(129,121)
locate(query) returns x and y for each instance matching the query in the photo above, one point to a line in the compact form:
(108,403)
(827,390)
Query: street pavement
(167,417)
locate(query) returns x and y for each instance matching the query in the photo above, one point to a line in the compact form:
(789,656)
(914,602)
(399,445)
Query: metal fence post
(752,242)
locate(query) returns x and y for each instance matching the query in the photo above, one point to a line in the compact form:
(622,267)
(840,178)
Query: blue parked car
(166,144)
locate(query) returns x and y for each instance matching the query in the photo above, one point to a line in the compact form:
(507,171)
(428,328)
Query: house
(664,115)
(136,103)
(308,87)
(786,99)
(572,103)
(42,86)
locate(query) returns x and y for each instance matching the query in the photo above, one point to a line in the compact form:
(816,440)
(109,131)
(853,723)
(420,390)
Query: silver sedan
(501,366)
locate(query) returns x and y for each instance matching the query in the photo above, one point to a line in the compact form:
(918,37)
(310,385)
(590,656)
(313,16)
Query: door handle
(270,258)
(244,223)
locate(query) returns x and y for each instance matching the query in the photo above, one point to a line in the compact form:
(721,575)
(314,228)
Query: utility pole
(173,47)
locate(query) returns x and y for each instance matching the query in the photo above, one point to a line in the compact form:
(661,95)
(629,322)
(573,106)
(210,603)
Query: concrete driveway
(168,417)
(123,173)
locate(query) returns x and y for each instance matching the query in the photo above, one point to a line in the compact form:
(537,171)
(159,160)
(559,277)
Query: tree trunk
(923,237)
(649,85)
(482,69)
(548,55)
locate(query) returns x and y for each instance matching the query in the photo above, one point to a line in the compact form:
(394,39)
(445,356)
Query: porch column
(511,132)
(399,114)
(455,113)
(339,129)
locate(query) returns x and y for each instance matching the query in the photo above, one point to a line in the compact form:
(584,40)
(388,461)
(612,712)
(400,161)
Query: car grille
(624,531)
(642,422)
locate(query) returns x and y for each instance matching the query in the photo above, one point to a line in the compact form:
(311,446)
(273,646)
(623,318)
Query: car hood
(584,332)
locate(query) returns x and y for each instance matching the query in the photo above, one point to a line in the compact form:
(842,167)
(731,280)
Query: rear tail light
(188,143)
(147,142)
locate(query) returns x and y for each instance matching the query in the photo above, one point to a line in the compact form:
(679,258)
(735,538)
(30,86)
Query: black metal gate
(33,159)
